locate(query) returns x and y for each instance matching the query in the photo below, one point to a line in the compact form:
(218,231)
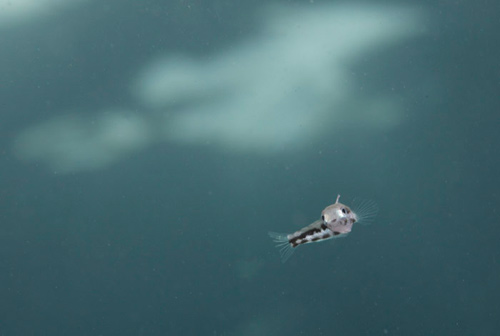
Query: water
(147,149)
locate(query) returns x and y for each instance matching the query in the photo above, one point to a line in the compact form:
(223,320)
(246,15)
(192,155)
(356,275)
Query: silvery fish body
(336,221)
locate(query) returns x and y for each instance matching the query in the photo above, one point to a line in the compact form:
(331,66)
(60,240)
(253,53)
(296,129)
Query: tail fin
(286,250)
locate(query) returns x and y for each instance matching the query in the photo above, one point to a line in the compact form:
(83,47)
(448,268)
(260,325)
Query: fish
(336,221)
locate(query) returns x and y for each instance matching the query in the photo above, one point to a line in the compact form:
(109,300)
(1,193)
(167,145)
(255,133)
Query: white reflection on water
(282,90)
(22,11)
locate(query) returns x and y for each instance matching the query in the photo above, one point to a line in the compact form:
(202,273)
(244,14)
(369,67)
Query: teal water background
(146,149)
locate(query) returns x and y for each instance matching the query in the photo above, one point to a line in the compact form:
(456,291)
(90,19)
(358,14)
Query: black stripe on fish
(310,236)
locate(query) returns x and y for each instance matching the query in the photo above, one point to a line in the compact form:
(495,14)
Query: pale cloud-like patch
(281,90)
(73,142)
(20,11)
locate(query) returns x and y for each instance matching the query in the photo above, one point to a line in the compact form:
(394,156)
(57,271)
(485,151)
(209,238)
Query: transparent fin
(365,210)
(286,250)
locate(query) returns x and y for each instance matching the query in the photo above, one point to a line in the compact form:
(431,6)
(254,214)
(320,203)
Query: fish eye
(343,210)
(323,218)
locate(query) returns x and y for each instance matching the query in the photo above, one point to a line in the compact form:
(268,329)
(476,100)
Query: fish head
(339,217)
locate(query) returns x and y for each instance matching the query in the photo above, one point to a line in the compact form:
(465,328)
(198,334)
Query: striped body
(316,232)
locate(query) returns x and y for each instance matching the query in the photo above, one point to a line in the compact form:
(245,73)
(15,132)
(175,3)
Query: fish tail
(286,249)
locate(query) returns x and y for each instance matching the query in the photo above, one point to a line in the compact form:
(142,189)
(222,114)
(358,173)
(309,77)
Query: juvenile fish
(336,221)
